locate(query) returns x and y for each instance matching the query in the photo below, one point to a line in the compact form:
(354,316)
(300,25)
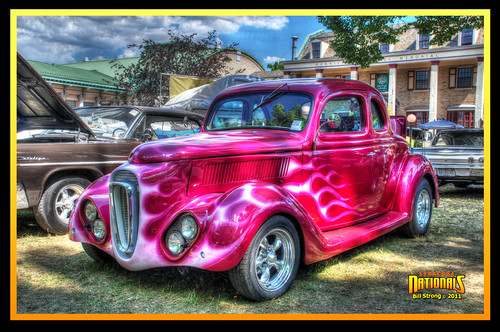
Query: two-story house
(432,82)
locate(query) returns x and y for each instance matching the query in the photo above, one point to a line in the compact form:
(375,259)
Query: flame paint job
(340,190)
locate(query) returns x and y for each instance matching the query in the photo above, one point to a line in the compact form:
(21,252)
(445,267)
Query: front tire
(270,263)
(57,202)
(422,211)
(96,254)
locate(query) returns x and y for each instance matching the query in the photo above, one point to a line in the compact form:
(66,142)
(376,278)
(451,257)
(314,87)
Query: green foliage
(276,66)
(282,118)
(443,28)
(181,55)
(357,38)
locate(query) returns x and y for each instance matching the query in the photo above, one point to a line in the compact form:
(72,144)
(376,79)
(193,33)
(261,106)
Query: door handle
(371,154)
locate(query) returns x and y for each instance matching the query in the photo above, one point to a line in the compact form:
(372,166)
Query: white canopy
(201,97)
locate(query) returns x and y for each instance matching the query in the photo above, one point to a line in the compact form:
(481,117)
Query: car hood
(217,144)
(39,106)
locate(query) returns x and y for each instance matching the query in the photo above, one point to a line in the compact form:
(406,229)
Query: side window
(377,116)
(342,114)
(230,114)
(165,128)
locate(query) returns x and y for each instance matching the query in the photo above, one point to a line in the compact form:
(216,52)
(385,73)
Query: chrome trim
(75,163)
(124,212)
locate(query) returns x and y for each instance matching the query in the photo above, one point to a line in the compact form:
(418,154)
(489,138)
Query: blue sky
(65,39)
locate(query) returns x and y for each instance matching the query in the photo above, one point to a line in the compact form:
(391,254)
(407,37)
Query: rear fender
(413,170)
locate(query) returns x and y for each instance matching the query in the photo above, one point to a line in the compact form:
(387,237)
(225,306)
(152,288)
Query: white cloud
(273,59)
(60,39)
(269,22)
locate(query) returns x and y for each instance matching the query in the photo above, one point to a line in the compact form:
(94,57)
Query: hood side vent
(240,171)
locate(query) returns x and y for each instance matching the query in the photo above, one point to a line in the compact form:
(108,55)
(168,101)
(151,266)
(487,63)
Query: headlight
(99,229)
(90,211)
(176,243)
(189,227)
(93,222)
(181,234)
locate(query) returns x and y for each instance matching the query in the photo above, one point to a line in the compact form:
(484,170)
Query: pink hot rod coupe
(282,172)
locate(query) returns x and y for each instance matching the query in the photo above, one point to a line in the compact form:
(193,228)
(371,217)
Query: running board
(343,239)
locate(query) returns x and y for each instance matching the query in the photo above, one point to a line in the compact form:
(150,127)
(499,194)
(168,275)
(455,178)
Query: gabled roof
(102,66)
(306,41)
(67,75)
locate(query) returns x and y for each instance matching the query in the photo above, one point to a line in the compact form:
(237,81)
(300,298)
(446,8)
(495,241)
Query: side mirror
(327,123)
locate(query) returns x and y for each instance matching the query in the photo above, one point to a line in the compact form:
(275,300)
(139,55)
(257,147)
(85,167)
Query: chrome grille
(124,202)
(238,171)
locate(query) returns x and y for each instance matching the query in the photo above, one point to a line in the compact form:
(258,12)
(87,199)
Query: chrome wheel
(423,208)
(270,263)
(65,201)
(274,260)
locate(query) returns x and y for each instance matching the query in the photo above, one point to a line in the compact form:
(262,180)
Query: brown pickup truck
(60,151)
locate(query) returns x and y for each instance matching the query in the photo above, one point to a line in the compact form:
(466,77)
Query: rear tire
(422,211)
(270,263)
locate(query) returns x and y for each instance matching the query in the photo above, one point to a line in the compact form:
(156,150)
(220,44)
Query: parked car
(59,153)
(457,156)
(282,172)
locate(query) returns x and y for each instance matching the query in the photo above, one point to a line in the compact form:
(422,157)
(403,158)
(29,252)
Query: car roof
(313,86)
(150,110)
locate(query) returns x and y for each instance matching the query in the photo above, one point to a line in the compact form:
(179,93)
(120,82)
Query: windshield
(459,138)
(109,122)
(281,110)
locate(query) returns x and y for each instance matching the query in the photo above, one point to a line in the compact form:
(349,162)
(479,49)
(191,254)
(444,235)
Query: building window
(418,80)
(422,80)
(423,42)
(316,50)
(384,48)
(467,35)
(464,77)
(422,117)
(463,118)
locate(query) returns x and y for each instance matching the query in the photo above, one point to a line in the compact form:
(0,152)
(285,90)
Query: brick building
(432,82)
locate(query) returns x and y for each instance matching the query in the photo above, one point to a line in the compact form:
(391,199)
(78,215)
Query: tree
(357,39)
(181,55)
(276,66)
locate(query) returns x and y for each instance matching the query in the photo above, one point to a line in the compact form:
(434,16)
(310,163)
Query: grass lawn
(54,275)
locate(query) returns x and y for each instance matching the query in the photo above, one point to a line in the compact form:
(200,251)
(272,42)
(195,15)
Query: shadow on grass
(362,280)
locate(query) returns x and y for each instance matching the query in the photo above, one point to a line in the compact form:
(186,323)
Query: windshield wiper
(269,97)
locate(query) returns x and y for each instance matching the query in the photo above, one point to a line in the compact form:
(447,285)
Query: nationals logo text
(436,280)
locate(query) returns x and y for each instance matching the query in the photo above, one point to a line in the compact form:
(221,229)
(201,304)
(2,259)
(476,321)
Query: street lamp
(411,118)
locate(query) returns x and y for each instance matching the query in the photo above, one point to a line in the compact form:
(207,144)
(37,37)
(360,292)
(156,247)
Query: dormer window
(423,41)
(385,48)
(316,50)
(467,37)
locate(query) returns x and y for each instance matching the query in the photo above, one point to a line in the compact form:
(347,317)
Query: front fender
(233,219)
(98,193)
(414,169)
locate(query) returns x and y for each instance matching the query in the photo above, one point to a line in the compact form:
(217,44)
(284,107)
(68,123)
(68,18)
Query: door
(340,177)
(385,150)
